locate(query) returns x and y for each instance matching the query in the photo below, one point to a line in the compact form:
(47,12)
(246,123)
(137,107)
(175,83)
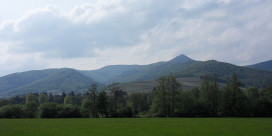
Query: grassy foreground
(138,127)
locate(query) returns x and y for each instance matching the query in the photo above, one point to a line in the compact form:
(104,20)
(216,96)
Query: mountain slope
(130,73)
(108,73)
(182,66)
(224,71)
(266,66)
(152,72)
(147,86)
(56,81)
(16,80)
(180,59)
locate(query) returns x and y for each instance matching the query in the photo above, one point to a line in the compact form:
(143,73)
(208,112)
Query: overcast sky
(39,34)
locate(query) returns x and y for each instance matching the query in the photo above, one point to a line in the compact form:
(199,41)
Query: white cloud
(108,32)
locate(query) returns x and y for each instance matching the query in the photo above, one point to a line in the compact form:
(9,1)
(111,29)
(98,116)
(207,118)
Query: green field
(137,127)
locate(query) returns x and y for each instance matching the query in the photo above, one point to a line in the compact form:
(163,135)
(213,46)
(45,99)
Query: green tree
(62,97)
(51,98)
(31,109)
(234,98)
(252,93)
(209,94)
(48,110)
(267,92)
(165,97)
(86,108)
(102,103)
(136,100)
(72,93)
(68,111)
(93,97)
(69,100)
(43,98)
(263,105)
(196,93)
(30,98)
(117,93)
(186,104)
(12,111)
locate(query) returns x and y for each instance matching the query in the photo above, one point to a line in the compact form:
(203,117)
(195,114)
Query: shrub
(86,108)
(12,111)
(48,110)
(68,111)
(31,109)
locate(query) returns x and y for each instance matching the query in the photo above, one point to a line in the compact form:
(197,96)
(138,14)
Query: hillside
(108,74)
(182,66)
(132,77)
(55,80)
(16,80)
(130,73)
(224,71)
(266,66)
(147,86)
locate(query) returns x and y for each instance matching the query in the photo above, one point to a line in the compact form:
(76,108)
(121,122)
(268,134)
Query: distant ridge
(50,80)
(182,67)
(130,73)
(267,66)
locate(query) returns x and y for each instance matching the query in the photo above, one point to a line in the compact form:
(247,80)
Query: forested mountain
(248,76)
(51,80)
(187,83)
(108,74)
(182,66)
(58,80)
(267,65)
(16,80)
(130,73)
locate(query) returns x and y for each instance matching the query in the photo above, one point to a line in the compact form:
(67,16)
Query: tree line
(167,99)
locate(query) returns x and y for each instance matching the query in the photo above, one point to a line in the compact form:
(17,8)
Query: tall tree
(62,97)
(234,103)
(102,103)
(31,106)
(86,108)
(69,100)
(31,109)
(117,92)
(42,98)
(209,94)
(165,96)
(136,100)
(30,98)
(50,98)
(93,97)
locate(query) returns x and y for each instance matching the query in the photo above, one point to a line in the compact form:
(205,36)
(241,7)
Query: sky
(90,34)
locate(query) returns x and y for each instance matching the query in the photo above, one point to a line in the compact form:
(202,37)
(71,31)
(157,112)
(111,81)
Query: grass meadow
(137,127)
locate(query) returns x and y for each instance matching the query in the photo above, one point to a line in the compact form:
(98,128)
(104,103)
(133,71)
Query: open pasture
(137,127)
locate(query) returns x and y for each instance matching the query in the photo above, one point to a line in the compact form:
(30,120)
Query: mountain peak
(181,59)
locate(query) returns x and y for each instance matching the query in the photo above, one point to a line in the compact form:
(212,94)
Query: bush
(124,112)
(31,109)
(68,111)
(263,108)
(86,108)
(48,110)
(127,112)
(12,111)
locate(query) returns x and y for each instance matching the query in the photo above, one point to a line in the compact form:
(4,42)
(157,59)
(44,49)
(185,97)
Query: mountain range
(266,66)
(142,77)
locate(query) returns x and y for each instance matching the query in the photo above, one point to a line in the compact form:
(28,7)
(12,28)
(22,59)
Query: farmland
(137,127)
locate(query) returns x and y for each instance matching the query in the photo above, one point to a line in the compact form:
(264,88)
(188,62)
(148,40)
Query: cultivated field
(137,127)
